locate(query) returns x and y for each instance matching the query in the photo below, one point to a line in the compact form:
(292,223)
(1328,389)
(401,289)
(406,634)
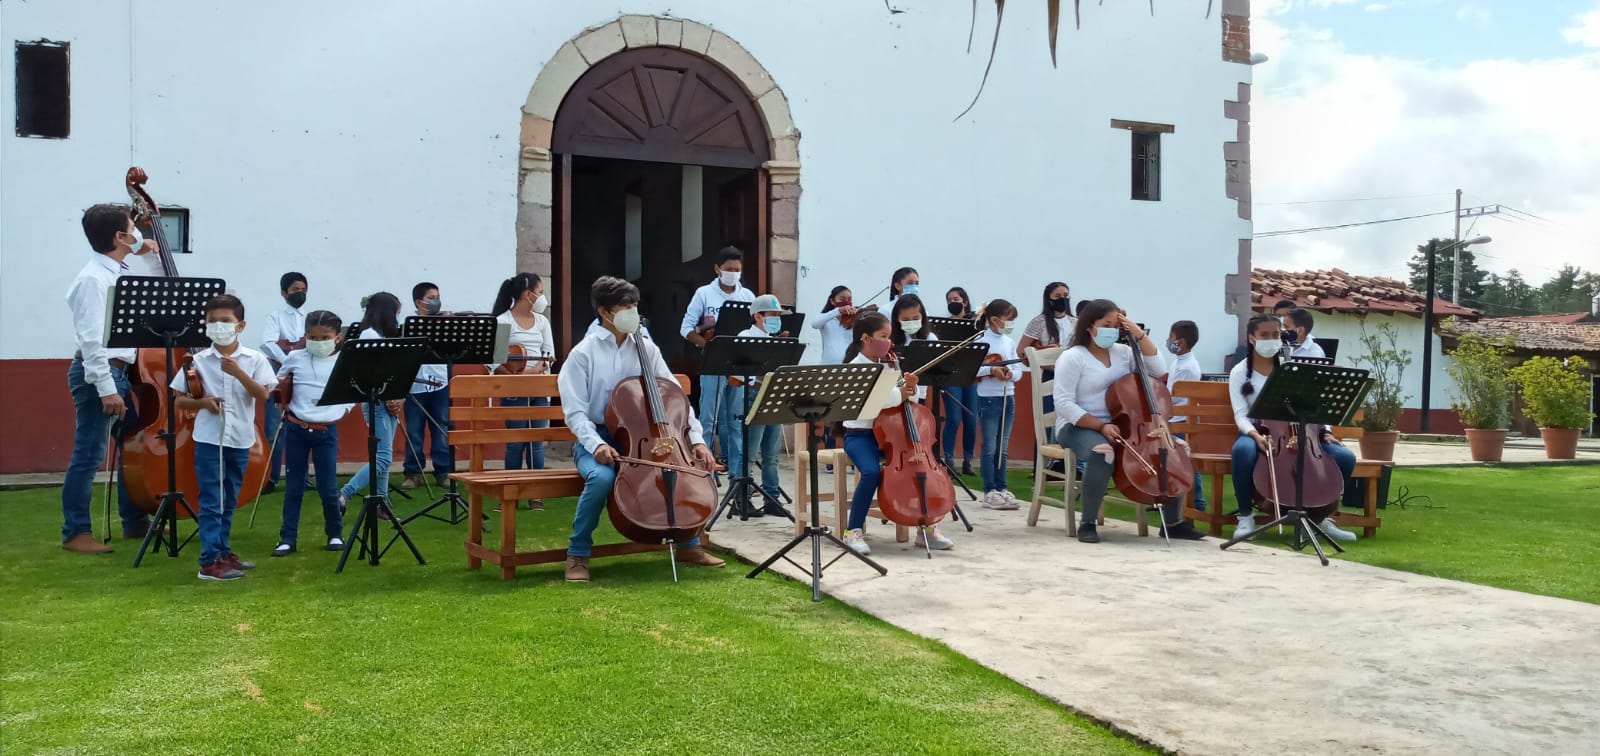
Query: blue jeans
(89,453)
(219,496)
(769,439)
(1096,470)
(525,455)
(1199,490)
(303,447)
(597,482)
(1245,451)
(428,415)
(995,414)
(722,417)
(385,432)
(271,419)
(862,448)
(960,411)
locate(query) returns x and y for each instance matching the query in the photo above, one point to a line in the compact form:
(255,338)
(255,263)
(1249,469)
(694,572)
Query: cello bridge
(664,447)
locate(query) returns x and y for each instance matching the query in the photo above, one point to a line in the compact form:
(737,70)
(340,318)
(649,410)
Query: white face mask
(320,347)
(626,321)
(138,239)
(911,326)
(1268,347)
(730,278)
(222,334)
(541,304)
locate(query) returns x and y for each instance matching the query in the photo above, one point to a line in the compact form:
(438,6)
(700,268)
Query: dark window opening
(44,103)
(1147,165)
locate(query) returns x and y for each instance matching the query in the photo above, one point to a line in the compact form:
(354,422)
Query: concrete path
(1252,650)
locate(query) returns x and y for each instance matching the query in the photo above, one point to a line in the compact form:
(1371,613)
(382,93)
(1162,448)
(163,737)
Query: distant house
(1574,335)
(1344,302)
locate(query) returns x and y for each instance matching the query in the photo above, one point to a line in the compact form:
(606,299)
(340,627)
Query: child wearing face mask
(427,410)
(768,316)
(1297,330)
(522,305)
(719,401)
(960,402)
(285,332)
(871,343)
(234,377)
(311,432)
(997,403)
(381,320)
(1181,339)
(904,281)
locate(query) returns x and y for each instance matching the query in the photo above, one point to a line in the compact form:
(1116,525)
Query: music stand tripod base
(745,356)
(813,394)
(452,340)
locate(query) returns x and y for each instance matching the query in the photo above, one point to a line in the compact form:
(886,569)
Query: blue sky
(1449,32)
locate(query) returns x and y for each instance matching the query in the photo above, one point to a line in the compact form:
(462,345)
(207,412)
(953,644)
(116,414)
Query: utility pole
(1455,280)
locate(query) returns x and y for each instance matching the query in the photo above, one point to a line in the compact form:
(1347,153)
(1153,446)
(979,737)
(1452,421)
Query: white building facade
(374,145)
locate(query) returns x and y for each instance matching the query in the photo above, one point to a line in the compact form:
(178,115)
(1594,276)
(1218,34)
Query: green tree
(1472,279)
(1510,295)
(1570,290)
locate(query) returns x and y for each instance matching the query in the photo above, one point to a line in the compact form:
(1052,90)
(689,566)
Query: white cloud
(1331,124)
(1586,29)
(1475,15)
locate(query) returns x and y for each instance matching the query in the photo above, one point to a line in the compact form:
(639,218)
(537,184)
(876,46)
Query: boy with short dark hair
(285,333)
(428,406)
(1180,342)
(1299,322)
(720,401)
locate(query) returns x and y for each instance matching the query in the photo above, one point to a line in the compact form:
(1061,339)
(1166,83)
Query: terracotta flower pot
(1560,443)
(1379,445)
(1487,445)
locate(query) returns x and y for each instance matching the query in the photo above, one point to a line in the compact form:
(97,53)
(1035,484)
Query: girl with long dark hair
(380,320)
(960,402)
(521,304)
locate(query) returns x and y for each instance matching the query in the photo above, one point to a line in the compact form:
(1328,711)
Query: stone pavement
(1252,650)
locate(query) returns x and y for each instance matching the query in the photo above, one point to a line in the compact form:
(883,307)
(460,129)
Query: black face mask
(1060,305)
(956,308)
(296,300)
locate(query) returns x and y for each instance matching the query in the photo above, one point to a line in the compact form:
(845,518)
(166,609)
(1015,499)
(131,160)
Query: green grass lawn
(1526,528)
(100,657)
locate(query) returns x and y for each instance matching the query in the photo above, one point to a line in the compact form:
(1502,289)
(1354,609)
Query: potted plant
(1483,396)
(1381,412)
(1557,398)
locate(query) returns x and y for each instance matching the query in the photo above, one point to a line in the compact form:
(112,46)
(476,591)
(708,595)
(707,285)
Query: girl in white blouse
(521,304)
(835,336)
(1094,361)
(997,401)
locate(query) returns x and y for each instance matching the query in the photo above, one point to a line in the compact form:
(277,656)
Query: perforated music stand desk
(1305,393)
(749,357)
(733,318)
(370,372)
(452,340)
(952,329)
(158,312)
(813,394)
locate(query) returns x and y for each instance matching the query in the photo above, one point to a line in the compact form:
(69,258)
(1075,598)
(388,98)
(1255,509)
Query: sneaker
(993,500)
(933,538)
(219,570)
(697,556)
(384,513)
(1246,526)
(1088,534)
(577,569)
(966,467)
(774,509)
(84,543)
(442,479)
(1335,532)
(1183,531)
(412,480)
(233,560)
(343,504)
(536,505)
(830,468)
(283,549)
(335,544)
(857,541)
(1010,500)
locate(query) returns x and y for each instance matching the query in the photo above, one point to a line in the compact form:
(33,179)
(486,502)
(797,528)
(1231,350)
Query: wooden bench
(480,428)
(1210,430)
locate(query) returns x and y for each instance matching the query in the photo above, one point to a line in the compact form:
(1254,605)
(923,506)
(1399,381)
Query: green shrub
(1555,391)
(1479,368)
(1387,361)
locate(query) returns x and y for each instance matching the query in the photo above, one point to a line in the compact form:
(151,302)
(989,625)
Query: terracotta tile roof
(1338,291)
(1564,339)
(1569,317)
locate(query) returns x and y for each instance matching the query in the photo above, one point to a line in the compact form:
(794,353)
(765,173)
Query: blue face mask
(1105,337)
(1174,347)
(909,288)
(773,325)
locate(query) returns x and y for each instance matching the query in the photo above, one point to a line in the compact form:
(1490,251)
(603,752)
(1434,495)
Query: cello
(659,494)
(1151,467)
(145,453)
(1287,475)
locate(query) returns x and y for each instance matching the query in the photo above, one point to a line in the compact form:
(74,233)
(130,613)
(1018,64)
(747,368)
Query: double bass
(660,495)
(144,455)
(1151,466)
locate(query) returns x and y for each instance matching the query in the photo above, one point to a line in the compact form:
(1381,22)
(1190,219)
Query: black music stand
(1304,393)
(959,369)
(370,372)
(812,394)
(746,356)
(157,312)
(733,318)
(452,340)
(792,323)
(952,329)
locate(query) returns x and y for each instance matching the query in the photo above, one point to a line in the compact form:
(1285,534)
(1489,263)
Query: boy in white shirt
(1180,342)
(719,400)
(1299,324)
(768,316)
(285,333)
(233,378)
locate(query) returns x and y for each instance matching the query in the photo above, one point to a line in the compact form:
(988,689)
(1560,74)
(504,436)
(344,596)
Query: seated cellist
(1093,361)
(605,357)
(1264,335)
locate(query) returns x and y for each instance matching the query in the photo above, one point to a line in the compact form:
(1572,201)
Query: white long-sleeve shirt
(310,376)
(285,323)
(1185,367)
(239,407)
(894,399)
(1308,348)
(1001,344)
(593,369)
(1241,403)
(537,341)
(86,297)
(707,301)
(835,337)
(1082,380)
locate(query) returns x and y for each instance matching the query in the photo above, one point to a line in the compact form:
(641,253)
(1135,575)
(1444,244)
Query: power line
(1287,232)
(1355,199)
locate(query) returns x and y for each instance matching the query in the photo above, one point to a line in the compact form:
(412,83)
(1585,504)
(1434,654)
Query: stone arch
(535,230)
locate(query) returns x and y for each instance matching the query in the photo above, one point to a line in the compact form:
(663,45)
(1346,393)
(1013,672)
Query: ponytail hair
(382,314)
(996,308)
(832,295)
(511,290)
(866,323)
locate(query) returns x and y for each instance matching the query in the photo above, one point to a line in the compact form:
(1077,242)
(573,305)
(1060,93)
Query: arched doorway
(659,158)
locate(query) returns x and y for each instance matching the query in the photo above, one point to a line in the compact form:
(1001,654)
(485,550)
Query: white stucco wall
(371,147)
(1347,329)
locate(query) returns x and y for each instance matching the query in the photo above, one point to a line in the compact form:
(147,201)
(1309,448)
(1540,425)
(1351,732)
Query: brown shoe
(697,556)
(577,569)
(84,543)
(412,481)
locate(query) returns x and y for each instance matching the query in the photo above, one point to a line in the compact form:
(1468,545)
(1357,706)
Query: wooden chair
(838,493)
(1045,451)
(481,429)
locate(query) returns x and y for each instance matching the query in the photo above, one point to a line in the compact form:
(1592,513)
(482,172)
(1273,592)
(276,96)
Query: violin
(145,452)
(1151,466)
(517,359)
(849,321)
(995,360)
(659,494)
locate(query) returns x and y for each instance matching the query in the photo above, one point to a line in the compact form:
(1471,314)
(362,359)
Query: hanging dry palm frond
(999,13)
